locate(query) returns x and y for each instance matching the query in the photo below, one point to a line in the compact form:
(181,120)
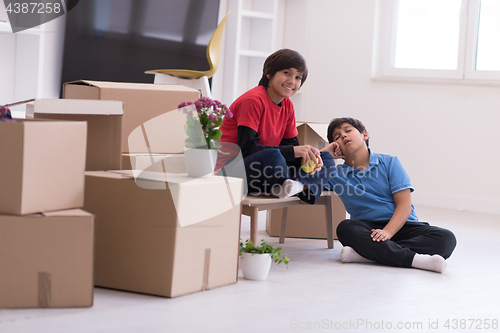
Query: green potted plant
(256,260)
(204,117)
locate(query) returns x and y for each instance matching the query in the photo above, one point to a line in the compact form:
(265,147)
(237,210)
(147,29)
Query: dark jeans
(268,167)
(412,238)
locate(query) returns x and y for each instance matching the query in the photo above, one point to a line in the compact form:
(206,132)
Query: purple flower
(209,112)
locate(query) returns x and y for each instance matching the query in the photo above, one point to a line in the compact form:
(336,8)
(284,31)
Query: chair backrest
(213,48)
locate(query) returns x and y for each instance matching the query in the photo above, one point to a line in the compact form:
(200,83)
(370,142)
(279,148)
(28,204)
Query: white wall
(30,62)
(445,134)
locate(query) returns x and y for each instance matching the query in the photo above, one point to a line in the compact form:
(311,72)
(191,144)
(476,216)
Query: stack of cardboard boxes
(147,238)
(46,242)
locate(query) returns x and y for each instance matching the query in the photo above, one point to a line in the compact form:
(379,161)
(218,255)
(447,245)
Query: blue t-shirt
(368,196)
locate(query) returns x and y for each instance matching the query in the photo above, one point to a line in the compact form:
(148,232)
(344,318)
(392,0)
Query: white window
(439,39)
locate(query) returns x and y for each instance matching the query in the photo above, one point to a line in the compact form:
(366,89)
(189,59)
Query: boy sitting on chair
(376,192)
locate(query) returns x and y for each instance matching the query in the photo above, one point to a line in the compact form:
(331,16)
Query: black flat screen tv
(118,40)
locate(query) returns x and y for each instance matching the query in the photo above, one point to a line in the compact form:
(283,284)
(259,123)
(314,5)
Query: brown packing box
(142,102)
(104,125)
(313,134)
(307,221)
(46,260)
(42,165)
(171,163)
(152,241)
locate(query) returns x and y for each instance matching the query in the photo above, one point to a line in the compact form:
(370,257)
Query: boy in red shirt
(263,126)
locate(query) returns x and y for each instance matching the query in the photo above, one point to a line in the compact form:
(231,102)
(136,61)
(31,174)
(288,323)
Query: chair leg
(329,220)
(161,78)
(254,224)
(283,225)
(201,84)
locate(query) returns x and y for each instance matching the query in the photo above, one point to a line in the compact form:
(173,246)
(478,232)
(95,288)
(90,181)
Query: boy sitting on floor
(376,192)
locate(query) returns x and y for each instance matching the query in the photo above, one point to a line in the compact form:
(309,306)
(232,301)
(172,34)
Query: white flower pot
(200,162)
(255,266)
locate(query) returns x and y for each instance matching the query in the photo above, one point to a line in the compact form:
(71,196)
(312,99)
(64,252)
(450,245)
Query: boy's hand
(380,235)
(308,153)
(319,165)
(334,149)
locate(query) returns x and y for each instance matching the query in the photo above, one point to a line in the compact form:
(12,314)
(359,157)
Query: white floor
(316,293)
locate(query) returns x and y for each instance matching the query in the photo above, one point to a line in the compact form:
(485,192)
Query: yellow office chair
(191,78)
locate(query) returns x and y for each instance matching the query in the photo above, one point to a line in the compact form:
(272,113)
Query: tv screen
(118,40)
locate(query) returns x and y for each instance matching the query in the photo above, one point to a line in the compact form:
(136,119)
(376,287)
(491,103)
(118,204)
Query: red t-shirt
(256,110)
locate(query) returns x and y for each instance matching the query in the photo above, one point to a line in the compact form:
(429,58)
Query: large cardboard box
(313,134)
(46,260)
(149,239)
(42,165)
(307,221)
(142,102)
(104,126)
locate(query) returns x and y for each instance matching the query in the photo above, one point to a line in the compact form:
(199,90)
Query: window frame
(385,37)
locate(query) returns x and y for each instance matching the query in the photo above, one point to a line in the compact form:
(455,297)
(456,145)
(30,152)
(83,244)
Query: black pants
(412,238)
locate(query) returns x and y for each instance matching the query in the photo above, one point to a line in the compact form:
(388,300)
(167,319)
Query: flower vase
(255,266)
(200,162)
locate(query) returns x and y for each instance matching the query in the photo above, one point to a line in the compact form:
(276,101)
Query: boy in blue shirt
(376,191)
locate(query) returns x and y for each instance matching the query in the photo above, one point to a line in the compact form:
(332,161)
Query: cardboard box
(314,134)
(150,240)
(42,165)
(144,106)
(104,126)
(46,260)
(171,163)
(307,221)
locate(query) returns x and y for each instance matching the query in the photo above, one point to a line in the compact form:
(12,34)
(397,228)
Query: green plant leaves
(193,129)
(265,247)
